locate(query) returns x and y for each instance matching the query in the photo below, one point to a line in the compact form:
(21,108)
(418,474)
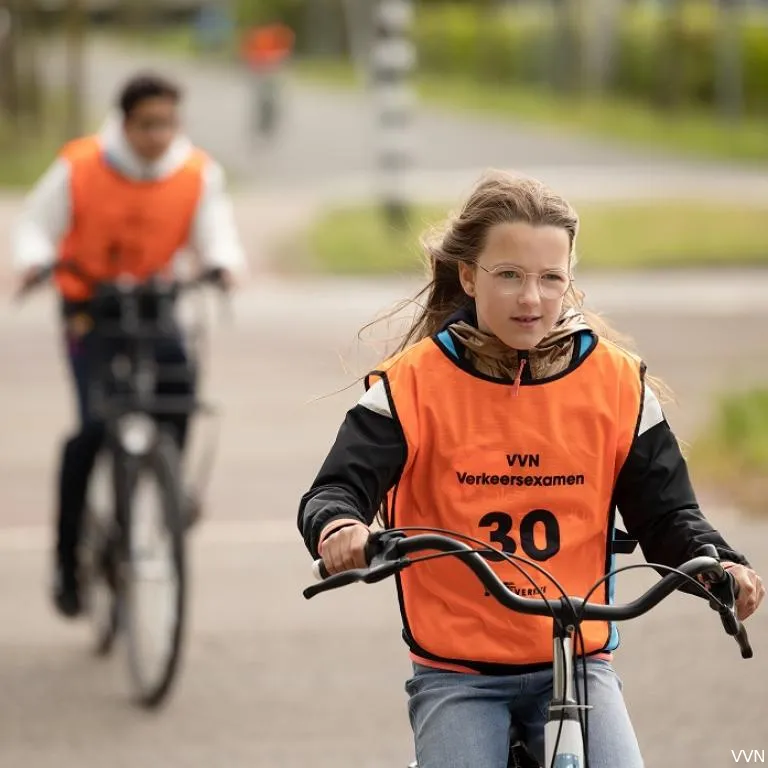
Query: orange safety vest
(268,45)
(121,225)
(531,474)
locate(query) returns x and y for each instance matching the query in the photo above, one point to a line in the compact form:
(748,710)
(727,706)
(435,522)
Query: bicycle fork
(563,737)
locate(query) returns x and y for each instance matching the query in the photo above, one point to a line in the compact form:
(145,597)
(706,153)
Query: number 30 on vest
(501,525)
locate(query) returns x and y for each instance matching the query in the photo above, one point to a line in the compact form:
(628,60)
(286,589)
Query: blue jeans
(466,721)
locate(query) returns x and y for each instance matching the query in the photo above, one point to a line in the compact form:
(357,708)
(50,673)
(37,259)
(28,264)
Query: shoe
(66,593)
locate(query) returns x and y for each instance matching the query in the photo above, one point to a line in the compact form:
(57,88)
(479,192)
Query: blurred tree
(601,31)
(30,80)
(20,88)
(75,92)
(324,24)
(729,85)
(669,59)
(136,15)
(566,38)
(359,21)
(10,39)
(248,12)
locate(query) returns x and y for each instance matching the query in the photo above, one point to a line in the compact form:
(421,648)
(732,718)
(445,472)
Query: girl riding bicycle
(512,415)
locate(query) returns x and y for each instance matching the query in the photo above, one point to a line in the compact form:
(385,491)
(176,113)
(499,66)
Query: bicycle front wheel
(98,555)
(155,583)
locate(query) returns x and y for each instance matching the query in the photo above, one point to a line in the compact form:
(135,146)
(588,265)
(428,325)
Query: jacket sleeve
(655,497)
(214,236)
(364,463)
(44,220)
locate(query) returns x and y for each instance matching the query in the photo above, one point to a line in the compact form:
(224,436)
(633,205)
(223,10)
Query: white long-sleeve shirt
(46,216)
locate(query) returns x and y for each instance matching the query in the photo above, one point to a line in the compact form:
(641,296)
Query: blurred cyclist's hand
(228,280)
(28,277)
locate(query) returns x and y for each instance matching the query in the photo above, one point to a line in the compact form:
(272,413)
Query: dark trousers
(85,354)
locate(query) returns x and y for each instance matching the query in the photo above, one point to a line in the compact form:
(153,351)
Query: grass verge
(732,454)
(358,241)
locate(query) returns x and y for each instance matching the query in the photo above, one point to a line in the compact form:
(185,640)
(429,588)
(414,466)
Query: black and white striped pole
(394,59)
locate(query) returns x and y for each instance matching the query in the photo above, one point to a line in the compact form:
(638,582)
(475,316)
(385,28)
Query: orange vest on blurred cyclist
(537,484)
(267,46)
(124,226)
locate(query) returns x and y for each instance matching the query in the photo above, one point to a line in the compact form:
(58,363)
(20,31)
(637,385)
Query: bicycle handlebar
(212,276)
(387,553)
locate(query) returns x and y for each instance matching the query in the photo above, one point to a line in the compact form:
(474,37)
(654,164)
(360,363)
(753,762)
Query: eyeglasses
(152,124)
(510,280)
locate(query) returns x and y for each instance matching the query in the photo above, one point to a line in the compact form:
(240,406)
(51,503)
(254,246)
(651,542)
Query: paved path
(269,679)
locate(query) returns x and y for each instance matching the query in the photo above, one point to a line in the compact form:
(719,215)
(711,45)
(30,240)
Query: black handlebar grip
(334,582)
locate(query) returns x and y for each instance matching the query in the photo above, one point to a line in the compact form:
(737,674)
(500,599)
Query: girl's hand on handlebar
(343,547)
(750,587)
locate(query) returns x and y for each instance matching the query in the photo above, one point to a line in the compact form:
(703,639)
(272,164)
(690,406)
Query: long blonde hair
(497,198)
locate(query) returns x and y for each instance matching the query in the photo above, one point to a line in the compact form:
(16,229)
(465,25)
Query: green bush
(460,40)
(304,17)
(732,454)
(756,64)
(662,57)
(743,428)
(666,57)
(263,11)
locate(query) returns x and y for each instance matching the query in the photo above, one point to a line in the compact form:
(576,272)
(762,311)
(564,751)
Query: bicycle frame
(563,738)
(388,551)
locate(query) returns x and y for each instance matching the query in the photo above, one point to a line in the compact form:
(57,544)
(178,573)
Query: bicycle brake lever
(387,569)
(381,546)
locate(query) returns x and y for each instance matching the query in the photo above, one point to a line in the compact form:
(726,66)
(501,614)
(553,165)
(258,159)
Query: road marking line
(33,539)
